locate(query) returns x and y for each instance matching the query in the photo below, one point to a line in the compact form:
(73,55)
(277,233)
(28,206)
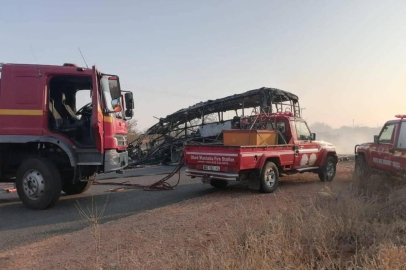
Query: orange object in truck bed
(236,137)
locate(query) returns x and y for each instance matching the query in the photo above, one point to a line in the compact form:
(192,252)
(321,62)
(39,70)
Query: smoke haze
(344,138)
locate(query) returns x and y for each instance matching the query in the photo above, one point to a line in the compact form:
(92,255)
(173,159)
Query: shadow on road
(21,226)
(118,204)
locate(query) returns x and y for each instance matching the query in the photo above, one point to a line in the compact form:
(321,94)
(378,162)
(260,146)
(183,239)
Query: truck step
(307,169)
(89,157)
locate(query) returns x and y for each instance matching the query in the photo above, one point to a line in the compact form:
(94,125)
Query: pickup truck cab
(295,151)
(387,153)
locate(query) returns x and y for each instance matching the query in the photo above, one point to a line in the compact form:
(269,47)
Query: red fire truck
(295,151)
(59,125)
(387,153)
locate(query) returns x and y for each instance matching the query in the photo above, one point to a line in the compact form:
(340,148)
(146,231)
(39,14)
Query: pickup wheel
(362,169)
(38,183)
(77,188)
(220,184)
(328,171)
(269,178)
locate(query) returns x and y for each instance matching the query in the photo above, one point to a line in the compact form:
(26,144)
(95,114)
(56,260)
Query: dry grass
(305,225)
(92,215)
(360,227)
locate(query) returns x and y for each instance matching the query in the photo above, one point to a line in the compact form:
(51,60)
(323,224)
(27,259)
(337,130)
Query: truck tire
(269,178)
(38,183)
(328,170)
(217,183)
(362,169)
(76,188)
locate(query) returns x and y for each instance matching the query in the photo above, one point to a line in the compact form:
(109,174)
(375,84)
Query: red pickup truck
(387,153)
(296,151)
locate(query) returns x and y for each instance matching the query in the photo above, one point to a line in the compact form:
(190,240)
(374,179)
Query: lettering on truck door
(399,154)
(308,151)
(382,152)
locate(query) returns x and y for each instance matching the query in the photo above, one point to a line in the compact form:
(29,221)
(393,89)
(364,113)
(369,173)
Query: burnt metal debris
(204,122)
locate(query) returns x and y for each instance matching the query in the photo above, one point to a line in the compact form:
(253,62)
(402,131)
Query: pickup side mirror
(313,136)
(376,139)
(129,104)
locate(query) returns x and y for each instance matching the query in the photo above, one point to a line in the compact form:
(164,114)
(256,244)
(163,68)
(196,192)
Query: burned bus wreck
(205,121)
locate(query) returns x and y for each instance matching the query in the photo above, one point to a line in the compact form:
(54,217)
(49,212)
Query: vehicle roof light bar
(401,116)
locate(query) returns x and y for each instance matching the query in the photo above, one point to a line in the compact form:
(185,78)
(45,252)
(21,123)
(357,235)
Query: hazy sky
(344,59)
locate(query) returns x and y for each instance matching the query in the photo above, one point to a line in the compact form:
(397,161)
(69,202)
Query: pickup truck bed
(226,162)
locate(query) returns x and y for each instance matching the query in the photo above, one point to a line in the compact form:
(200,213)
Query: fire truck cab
(59,126)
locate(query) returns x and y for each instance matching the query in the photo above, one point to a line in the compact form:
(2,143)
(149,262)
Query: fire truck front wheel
(38,183)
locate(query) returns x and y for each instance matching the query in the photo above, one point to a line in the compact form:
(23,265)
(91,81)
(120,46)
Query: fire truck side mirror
(376,139)
(129,100)
(129,114)
(129,104)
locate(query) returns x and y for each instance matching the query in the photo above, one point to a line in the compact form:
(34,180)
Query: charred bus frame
(180,127)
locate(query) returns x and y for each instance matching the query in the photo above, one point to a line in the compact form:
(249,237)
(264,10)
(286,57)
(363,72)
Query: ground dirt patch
(307,224)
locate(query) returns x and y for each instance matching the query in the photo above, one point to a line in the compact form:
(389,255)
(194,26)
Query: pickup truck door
(307,151)
(382,151)
(399,153)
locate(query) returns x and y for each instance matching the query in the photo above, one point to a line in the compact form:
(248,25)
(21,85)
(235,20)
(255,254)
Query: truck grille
(121,140)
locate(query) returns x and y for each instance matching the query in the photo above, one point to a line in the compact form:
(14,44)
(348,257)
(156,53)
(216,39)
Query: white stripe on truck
(260,154)
(212,154)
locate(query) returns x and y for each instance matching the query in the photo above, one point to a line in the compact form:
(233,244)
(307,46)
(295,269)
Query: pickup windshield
(302,130)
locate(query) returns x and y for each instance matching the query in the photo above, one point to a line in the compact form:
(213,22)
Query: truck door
(382,151)
(307,151)
(399,154)
(97,114)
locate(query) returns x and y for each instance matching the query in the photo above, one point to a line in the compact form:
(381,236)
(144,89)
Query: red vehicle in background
(387,153)
(59,126)
(295,151)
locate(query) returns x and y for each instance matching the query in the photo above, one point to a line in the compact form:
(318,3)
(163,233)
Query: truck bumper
(212,175)
(115,161)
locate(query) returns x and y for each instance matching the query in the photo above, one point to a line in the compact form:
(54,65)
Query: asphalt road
(21,226)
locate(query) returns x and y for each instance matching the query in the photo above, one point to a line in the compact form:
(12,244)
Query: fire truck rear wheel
(77,188)
(269,178)
(328,171)
(38,183)
(218,183)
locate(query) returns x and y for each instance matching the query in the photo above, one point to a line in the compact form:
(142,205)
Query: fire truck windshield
(109,89)
(105,87)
